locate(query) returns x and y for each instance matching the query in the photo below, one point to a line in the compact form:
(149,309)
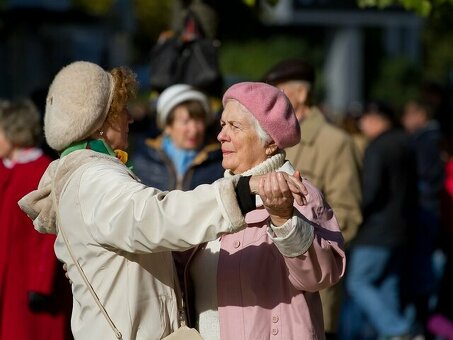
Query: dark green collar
(93,144)
(97,145)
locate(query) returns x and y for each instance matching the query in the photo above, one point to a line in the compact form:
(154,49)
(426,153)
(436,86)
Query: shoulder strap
(79,268)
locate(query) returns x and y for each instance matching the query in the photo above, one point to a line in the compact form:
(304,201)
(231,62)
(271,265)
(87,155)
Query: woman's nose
(221,136)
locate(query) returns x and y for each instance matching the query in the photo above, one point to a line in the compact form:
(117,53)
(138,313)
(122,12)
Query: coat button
(274,331)
(236,244)
(274,318)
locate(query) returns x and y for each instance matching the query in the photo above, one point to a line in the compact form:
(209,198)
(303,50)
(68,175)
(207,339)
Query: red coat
(28,263)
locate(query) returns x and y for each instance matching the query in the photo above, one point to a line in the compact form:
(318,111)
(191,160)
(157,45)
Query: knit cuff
(294,237)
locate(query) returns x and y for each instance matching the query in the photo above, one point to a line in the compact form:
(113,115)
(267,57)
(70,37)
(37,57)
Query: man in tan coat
(325,155)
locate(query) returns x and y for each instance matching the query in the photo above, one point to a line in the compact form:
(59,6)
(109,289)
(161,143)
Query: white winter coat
(121,232)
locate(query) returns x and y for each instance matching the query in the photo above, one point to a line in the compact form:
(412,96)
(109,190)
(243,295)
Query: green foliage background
(251,58)
(422,7)
(398,78)
(248,60)
(398,81)
(395,79)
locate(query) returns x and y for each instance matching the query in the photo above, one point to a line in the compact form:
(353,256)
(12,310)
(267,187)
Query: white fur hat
(77,103)
(175,95)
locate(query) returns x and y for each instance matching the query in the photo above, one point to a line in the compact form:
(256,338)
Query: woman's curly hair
(125,89)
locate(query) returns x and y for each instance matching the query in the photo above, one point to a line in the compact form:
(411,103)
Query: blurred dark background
(359,53)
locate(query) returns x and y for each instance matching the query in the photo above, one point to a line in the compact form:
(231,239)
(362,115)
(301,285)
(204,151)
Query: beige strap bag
(182,333)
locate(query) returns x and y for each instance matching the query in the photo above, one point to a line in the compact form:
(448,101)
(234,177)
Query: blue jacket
(155,168)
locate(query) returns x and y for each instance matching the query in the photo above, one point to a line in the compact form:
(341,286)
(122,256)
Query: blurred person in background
(437,97)
(418,120)
(350,123)
(441,322)
(263,282)
(35,298)
(376,259)
(325,155)
(204,10)
(181,157)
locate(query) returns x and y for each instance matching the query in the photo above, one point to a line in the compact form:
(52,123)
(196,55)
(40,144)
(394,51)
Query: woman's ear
(98,134)
(271,149)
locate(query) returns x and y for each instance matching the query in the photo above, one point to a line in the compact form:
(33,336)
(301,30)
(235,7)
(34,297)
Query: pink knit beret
(271,108)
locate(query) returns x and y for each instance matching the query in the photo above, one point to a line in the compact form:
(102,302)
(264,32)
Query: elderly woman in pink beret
(263,282)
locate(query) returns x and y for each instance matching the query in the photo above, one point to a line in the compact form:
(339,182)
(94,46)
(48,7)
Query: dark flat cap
(290,69)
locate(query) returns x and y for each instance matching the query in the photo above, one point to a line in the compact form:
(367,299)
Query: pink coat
(265,295)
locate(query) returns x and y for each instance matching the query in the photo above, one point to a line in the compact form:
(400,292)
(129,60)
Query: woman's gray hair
(262,134)
(20,122)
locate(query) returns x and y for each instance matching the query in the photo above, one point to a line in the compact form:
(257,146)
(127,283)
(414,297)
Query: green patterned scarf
(98,145)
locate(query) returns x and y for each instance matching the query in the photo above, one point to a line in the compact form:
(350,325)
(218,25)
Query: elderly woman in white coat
(263,282)
(114,233)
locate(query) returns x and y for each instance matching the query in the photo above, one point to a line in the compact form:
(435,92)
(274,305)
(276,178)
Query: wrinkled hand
(278,191)
(297,188)
(294,182)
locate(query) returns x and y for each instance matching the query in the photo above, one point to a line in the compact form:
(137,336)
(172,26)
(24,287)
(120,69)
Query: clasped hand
(278,190)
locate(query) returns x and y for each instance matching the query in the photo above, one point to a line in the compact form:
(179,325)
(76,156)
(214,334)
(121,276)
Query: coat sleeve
(323,264)
(342,187)
(127,215)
